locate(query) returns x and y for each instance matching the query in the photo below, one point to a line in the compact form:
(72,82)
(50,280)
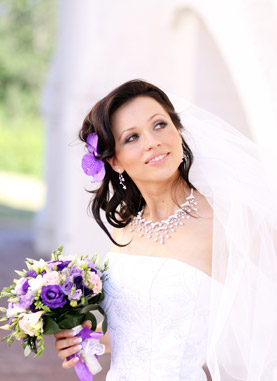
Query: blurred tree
(27,31)
(27,34)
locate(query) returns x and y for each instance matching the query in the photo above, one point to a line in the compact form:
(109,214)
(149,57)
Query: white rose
(32,323)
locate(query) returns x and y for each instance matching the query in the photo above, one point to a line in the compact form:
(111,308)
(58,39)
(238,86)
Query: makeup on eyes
(160,123)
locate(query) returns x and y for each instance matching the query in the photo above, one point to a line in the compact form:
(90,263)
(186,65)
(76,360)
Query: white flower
(32,323)
(14,310)
(36,284)
(41,264)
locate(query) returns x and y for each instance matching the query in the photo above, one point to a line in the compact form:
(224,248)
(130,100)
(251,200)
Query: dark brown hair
(122,205)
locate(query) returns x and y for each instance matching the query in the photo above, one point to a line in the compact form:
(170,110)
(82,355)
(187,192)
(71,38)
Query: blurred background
(58,57)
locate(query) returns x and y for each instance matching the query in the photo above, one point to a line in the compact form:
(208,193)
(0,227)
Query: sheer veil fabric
(228,171)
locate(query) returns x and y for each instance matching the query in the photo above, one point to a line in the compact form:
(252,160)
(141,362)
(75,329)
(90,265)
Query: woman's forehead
(136,112)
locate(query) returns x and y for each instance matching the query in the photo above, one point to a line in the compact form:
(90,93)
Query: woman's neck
(162,200)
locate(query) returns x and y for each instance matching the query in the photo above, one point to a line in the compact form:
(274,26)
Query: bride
(193,266)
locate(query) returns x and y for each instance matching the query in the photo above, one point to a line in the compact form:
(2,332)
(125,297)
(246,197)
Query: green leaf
(89,307)
(71,321)
(5,294)
(105,325)
(100,309)
(6,327)
(21,273)
(49,326)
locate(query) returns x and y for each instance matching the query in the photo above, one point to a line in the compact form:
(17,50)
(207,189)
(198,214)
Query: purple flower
(90,164)
(53,296)
(76,271)
(60,264)
(76,295)
(25,301)
(87,291)
(32,273)
(33,307)
(77,276)
(78,281)
(22,286)
(92,266)
(67,286)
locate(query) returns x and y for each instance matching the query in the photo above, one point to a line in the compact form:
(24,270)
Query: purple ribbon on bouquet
(81,367)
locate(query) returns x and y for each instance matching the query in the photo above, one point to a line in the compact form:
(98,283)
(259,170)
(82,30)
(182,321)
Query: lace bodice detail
(157,310)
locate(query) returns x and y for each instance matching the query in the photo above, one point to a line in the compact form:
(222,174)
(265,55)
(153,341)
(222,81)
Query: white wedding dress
(157,310)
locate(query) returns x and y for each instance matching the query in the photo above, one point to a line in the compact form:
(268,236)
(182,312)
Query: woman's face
(148,146)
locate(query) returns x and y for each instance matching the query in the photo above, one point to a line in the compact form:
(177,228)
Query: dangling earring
(121,179)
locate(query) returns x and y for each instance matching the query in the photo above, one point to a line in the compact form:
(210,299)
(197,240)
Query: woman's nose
(151,141)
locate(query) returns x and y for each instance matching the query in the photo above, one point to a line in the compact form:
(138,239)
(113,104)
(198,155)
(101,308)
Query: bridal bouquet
(53,295)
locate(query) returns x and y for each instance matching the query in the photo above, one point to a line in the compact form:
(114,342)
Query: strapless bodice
(157,310)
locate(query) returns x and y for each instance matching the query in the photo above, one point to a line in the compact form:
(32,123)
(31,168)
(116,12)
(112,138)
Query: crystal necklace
(160,230)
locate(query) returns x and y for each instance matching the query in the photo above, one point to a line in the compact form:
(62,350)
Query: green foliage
(21,144)
(105,324)
(27,33)
(27,29)
(49,326)
(92,318)
(71,320)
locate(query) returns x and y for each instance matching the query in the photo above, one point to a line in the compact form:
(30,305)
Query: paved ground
(16,236)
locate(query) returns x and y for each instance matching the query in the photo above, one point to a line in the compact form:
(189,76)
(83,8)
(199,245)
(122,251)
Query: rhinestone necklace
(160,230)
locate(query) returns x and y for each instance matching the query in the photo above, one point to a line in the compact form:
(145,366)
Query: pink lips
(155,162)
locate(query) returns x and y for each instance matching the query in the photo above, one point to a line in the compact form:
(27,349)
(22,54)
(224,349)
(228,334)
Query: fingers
(67,343)
(70,363)
(86,324)
(64,333)
(64,353)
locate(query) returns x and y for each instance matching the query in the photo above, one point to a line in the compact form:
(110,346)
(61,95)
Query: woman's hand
(67,344)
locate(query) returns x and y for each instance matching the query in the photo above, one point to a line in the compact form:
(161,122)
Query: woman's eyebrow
(153,116)
(148,120)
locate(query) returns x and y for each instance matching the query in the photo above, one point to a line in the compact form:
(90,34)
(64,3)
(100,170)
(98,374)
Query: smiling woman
(136,123)
(152,150)
(193,267)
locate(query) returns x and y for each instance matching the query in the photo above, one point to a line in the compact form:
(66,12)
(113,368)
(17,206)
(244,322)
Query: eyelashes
(130,138)
(157,126)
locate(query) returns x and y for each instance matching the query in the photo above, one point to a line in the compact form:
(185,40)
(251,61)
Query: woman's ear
(114,164)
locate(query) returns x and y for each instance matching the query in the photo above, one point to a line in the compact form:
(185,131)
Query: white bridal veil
(243,315)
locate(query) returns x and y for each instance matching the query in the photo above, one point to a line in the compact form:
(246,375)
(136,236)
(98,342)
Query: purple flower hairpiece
(90,164)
